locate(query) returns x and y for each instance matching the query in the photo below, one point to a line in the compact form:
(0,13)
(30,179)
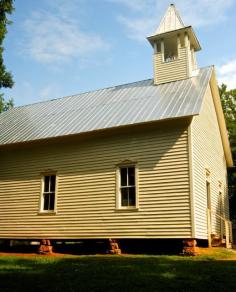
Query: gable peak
(171,21)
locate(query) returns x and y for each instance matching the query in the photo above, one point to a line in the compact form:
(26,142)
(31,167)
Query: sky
(57,48)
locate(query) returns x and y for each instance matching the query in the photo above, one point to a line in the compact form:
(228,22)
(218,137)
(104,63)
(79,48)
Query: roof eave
(221,120)
(96,131)
(189,29)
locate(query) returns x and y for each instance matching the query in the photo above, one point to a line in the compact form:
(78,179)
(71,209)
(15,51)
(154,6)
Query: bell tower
(175,46)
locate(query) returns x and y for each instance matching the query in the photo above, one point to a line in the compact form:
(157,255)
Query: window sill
(47,213)
(127,210)
(170,61)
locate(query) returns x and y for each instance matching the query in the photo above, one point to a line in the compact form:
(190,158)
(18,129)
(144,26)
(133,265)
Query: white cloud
(135,5)
(137,28)
(55,37)
(22,93)
(49,91)
(143,16)
(228,68)
(65,8)
(227,74)
(26,93)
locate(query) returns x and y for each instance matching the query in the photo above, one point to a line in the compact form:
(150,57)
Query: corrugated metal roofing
(127,104)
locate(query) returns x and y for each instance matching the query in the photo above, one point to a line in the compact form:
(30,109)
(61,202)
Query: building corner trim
(191,184)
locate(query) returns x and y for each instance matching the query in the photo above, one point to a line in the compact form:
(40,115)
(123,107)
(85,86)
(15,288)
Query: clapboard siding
(170,71)
(208,154)
(86,197)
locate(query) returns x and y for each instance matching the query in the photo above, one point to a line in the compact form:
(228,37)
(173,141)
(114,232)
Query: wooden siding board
(86,195)
(208,153)
(171,71)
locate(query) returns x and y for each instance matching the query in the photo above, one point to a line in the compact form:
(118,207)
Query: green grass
(118,273)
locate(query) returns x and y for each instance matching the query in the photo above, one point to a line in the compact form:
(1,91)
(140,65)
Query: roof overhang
(188,29)
(221,119)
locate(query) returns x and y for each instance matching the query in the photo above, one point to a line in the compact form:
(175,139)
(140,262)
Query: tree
(5,104)
(6,80)
(228,100)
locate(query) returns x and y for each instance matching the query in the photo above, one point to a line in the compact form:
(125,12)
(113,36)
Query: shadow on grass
(116,273)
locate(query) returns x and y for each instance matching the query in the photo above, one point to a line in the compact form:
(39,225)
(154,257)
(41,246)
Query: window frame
(41,205)
(221,198)
(208,189)
(118,187)
(167,56)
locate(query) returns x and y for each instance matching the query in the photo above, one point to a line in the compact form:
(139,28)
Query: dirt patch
(31,254)
(219,253)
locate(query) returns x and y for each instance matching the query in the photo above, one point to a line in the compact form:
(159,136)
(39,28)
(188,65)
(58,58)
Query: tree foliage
(6,80)
(228,100)
(5,104)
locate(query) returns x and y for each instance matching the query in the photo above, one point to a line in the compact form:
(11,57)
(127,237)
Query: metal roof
(128,104)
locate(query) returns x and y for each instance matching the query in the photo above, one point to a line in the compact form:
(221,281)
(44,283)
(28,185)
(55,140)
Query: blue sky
(57,48)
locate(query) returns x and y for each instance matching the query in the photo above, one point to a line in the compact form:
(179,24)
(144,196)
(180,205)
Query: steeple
(174,47)
(170,21)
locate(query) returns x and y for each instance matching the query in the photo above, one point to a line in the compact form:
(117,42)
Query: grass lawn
(216,272)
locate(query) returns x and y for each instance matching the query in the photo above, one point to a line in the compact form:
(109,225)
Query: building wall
(86,198)
(171,71)
(208,155)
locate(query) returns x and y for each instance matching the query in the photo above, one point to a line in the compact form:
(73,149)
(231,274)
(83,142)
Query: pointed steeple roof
(170,21)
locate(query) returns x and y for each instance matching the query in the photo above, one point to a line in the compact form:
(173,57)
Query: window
(220,200)
(220,209)
(48,193)
(127,187)
(208,191)
(208,188)
(221,206)
(157,48)
(171,50)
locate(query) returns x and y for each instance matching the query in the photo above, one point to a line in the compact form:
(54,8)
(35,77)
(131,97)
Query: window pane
(131,176)
(123,176)
(46,184)
(132,196)
(124,197)
(208,189)
(53,183)
(51,201)
(46,202)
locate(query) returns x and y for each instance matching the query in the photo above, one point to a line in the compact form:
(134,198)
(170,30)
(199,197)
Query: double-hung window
(48,196)
(127,187)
